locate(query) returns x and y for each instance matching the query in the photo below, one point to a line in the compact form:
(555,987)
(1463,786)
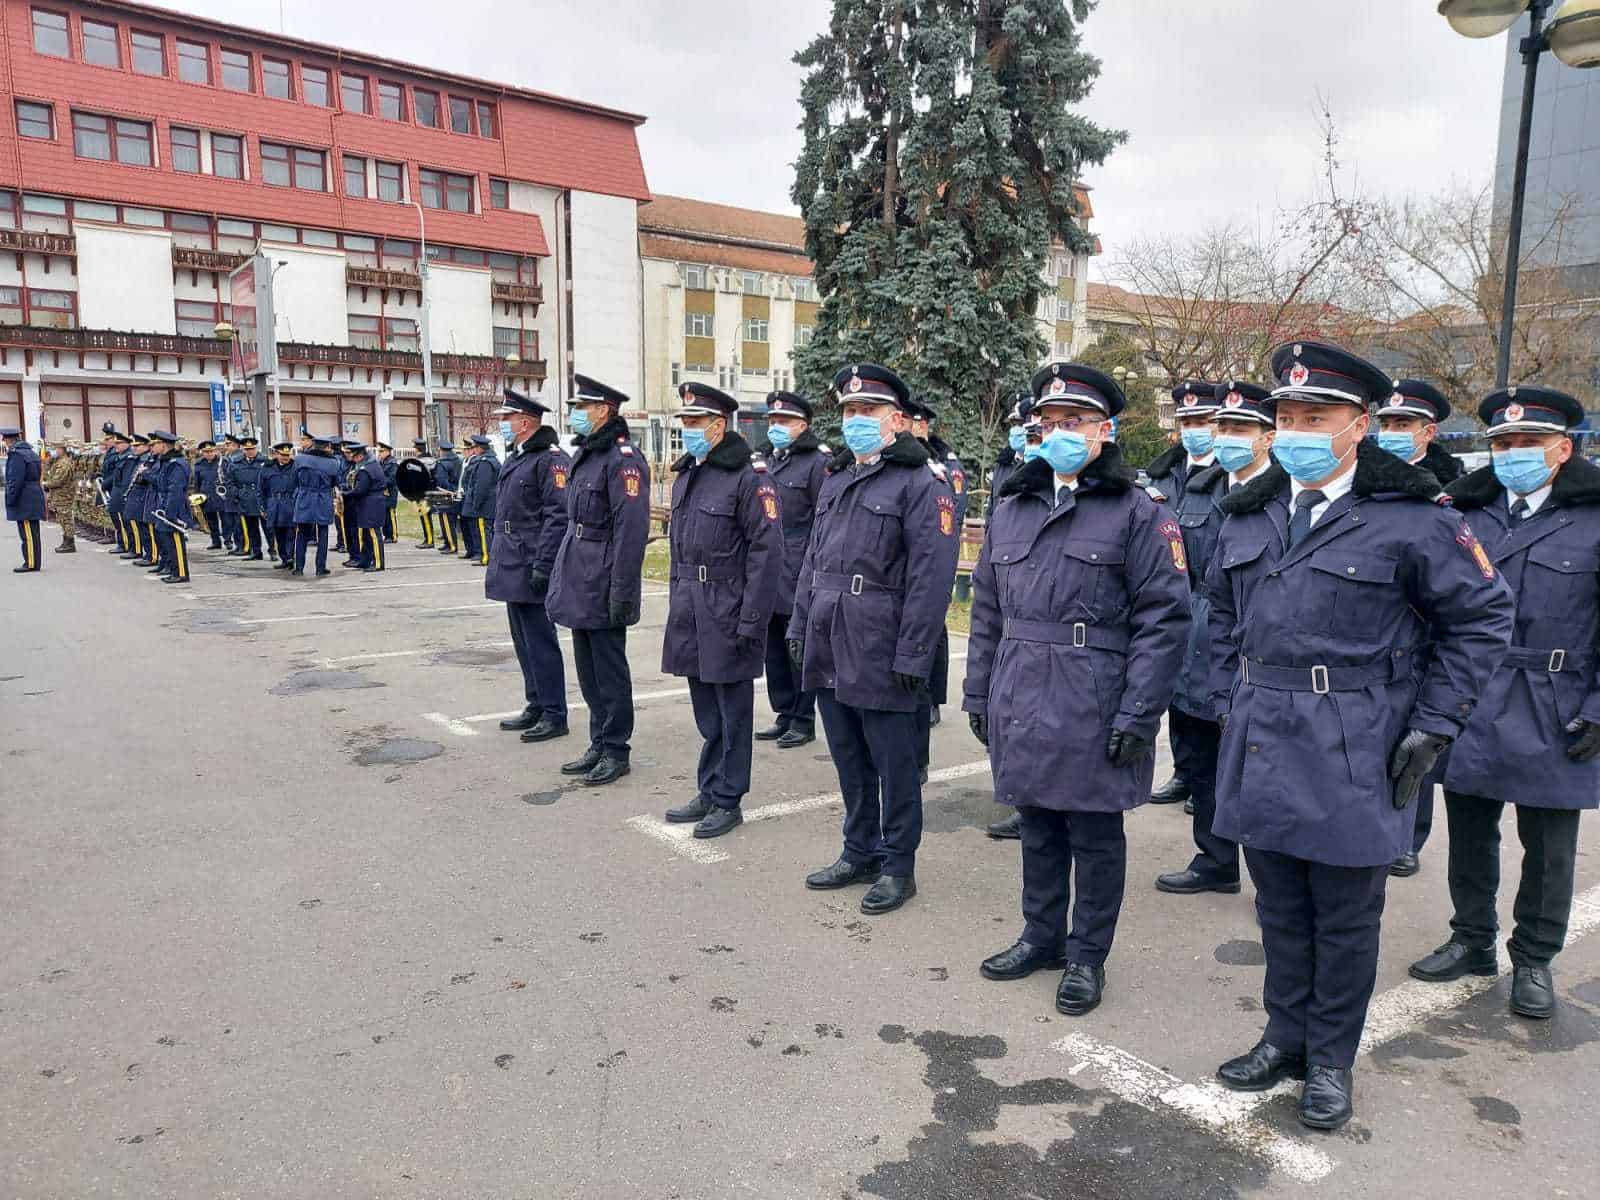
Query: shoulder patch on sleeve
(769,501)
(1155,493)
(630,482)
(559,474)
(624,448)
(947,515)
(1174,536)
(1469,542)
(938,471)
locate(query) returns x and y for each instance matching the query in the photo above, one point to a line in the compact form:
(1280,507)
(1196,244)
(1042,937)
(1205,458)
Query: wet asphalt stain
(504,1060)
(222,621)
(947,809)
(1246,1004)
(1494,1111)
(1588,992)
(1241,953)
(302,682)
(1112,1150)
(1418,1046)
(595,936)
(1485,1020)
(540,799)
(140,1138)
(723,1004)
(471,657)
(397,751)
(824,1030)
(794,1050)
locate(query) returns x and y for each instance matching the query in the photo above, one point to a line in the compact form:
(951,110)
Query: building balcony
(111,342)
(407,360)
(378,277)
(191,258)
(27,241)
(517,293)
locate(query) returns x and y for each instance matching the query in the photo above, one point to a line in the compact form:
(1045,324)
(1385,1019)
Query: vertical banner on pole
(219,410)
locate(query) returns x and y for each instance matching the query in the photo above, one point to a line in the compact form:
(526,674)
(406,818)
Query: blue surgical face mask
(1031,451)
(1198,442)
(1307,457)
(697,443)
(1016,439)
(864,435)
(1067,453)
(581,425)
(1235,451)
(779,436)
(1402,445)
(506,435)
(1522,470)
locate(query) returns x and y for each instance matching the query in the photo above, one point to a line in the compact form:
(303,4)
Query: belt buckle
(855,584)
(1558,660)
(579,530)
(1244,669)
(505,526)
(1319,679)
(700,572)
(1080,634)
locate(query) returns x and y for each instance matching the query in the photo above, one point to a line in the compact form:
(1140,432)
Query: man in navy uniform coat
(1328,575)
(364,507)
(797,463)
(1080,614)
(173,483)
(277,497)
(531,511)
(391,493)
(595,584)
(1534,741)
(316,475)
(110,472)
(1010,456)
(141,493)
(868,609)
(478,480)
(205,483)
(727,556)
(244,489)
(24,496)
(447,477)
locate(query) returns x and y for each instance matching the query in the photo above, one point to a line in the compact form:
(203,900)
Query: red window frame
(277,69)
(464,110)
(424,100)
(358,164)
(233,152)
(136,49)
(65,31)
(203,58)
(527,347)
(499,193)
(391,173)
(203,316)
(295,159)
(199,159)
(30,301)
(445,185)
(225,66)
(115,42)
(351,84)
(391,100)
(117,131)
(488,125)
(49,119)
(316,79)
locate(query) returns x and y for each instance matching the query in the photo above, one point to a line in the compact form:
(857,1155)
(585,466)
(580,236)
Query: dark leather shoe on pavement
(888,894)
(582,766)
(1010,827)
(1189,882)
(1261,1068)
(544,730)
(1325,1100)
(1080,989)
(1021,961)
(718,822)
(607,770)
(1453,960)
(842,874)
(1533,992)
(685,814)
(1405,866)
(772,732)
(526,719)
(1173,791)
(1188,808)
(796,736)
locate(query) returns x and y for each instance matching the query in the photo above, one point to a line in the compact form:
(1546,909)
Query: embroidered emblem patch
(958,480)
(1298,375)
(630,482)
(1513,412)
(947,515)
(560,476)
(769,503)
(1469,542)
(1174,536)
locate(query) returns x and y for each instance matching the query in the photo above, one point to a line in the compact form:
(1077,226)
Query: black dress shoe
(842,874)
(1080,989)
(933,715)
(796,736)
(1010,827)
(544,730)
(1453,960)
(284,566)
(922,775)
(1189,882)
(174,579)
(350,562)
(1533,992)
(1325,1100)
(607,770)
(888,894)
(1173,791)
(583,765)
(772,732)
(526,719)
(1021,961)
(1188,808)
(718,822)
(684,814)
(320,574)
(1261,1068)
(293,571)
(1405,866)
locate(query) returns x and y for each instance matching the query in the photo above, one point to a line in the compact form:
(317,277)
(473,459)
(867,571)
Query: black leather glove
(1412,759)
(909,684)
(980,726)
(1125,749)
(797,652)
(539,581)
(623,613)
(1222,720)
(1588,743)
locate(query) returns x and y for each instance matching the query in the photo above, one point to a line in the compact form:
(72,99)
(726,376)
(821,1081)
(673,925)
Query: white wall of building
(544,203)
(605,290)
(460,313)
(125,279)
(310,295)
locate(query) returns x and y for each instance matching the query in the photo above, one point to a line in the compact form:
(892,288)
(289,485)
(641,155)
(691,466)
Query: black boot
(1010,827)
(772,732)
(796,736)
(1533,992)
(544,730)
(607,770)
(1080,989)
(1173,791)
(718,822)
(526,719)
(888,894)
(842,874)
(1021,961)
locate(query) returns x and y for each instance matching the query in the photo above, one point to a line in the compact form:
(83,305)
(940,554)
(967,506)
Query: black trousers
(425,519)
(250,540)
(230,529)
(1549,838)
(1055,847)
(121,532)
(1419,836)
(213,516)
(477,535)
(796,707)
(341,526)
(601,658)
(931,695)
(369,548)
(175,552)
(283,540)
(875,754)
(544,674)
(449,531)
(1194,757)
(28,534)
(305,535)
(1319,927)
(724,713)
(388,525)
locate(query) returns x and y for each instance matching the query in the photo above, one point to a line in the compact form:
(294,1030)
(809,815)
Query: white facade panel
(460,312)
(125,279)
(605,290)
(310,296)
(544,203)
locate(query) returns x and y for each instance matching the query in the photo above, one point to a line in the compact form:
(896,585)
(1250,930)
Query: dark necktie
(1519,511)
(1300,522)
(1062,493)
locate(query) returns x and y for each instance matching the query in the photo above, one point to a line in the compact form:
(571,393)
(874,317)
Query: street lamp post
(277,400)
(1574,36)
(422,277)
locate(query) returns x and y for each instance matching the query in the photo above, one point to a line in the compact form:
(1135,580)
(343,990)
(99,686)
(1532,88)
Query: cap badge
(1511,391)
(1513,412)
(1234,400)
(1297,349)
(1189,402)
(1057,387)
(1298,375)
(855,383)
(1396,400)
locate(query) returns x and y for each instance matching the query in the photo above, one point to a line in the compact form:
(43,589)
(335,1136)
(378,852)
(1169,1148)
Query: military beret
(1530,409)
(869,381)
(1240,401)
(592,391)
(788,404)
(703,400)
(1321,374)
(519,402)
(1074,383)
(1415,398)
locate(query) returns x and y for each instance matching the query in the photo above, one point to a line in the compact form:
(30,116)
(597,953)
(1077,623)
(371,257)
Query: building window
(236,71)
(366,333)
(677,373)
(755,330)
(441,189)
(149,53)
(499,194)
(427,106)
(399,255)
(360,251)
(524,343)
(1063,310)
(485,119)
(754,284)
(391,101)
(355,176)
(694,277)
(112,140)
(754,371)
(325,238)
(314,86)
(198,318)
(460,115)
(275,79)
(727,379)
(186,150)
(805,289)
(400,333)
(100,45)
(392,182)
(292,166)
(803,335)
(1063,350)
(698,325)
(50,34)
(353,93)
(194,62)
(10,306)
(36,120)
(52,310)
(227,156)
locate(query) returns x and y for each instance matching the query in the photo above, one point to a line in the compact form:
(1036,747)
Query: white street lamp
(1481,18)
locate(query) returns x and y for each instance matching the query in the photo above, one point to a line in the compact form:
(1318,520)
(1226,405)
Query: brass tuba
(197,506)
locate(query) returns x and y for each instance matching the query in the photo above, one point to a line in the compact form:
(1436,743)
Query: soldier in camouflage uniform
(58,490)
(90,513)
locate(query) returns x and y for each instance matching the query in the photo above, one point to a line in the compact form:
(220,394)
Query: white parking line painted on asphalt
(680,838)
(311,588)
(459,728)
(307,617)
(463,726)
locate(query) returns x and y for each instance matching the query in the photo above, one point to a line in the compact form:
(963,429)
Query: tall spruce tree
(940,155)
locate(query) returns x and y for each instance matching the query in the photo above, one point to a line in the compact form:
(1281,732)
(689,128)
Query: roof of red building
(701,219)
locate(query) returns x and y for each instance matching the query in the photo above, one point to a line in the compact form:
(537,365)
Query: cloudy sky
(1219,98)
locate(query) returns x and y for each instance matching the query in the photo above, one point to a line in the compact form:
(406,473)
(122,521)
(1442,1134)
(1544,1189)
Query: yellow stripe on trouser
(133,535)
(29,552)
(155,546)
(483,543)
(449,541)
(377,547)
(244,524)
(427,525)
(178,542)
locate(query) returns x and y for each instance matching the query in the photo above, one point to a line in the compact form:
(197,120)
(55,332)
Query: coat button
(1349,570)
(1094,558)
(1255,748)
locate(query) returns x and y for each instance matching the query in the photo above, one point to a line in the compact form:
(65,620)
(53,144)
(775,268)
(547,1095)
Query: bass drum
(413,479)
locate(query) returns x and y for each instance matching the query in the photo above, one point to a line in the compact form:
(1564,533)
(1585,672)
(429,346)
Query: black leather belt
(1067,633)
(1323,679)
(829,581)
(1526,658)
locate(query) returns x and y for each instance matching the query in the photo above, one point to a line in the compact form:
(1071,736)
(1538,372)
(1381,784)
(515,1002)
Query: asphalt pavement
(286,915)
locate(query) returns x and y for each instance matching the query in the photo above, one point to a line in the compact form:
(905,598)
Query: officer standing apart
(1080,611)
(447,477)
(868,609)
(316,475)
(277,497)
(1329,573)
(1534,740)
(595,583)
(24,496)
(531,508)
(1408,423)
(727,556)
(205,483)
(797,462)
(478,481)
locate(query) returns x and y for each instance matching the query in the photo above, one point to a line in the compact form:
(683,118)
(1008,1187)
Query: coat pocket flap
(1363,568)
(1099,554)
(1569,560)
(1242,553)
